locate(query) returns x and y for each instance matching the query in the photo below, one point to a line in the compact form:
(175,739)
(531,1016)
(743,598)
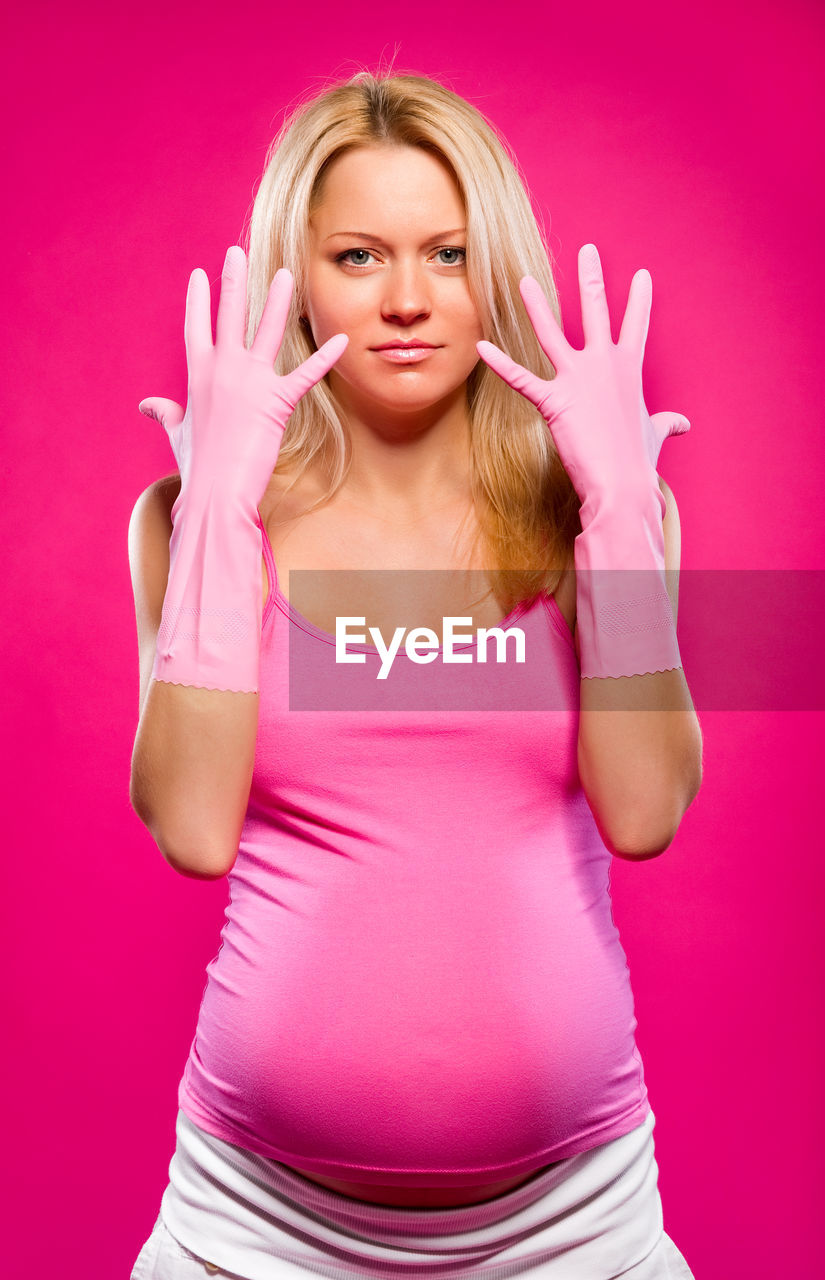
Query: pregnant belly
(419,1197)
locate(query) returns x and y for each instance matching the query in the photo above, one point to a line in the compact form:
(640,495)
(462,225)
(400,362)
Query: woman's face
(387,264)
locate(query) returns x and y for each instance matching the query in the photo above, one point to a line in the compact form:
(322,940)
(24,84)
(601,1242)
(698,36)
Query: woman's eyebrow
(366,235)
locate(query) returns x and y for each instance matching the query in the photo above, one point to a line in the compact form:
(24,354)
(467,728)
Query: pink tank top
(419,980)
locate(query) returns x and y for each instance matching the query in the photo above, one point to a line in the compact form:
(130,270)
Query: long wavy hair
(525,504)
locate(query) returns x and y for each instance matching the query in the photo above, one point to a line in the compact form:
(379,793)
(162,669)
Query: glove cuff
(210,630)
(624,614)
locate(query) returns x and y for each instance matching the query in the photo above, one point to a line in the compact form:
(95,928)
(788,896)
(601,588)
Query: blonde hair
(525,504)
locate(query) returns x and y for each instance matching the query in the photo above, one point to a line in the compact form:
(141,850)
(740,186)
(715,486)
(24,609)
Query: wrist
(623,609)
(622,530)
(205,499)
(210,629)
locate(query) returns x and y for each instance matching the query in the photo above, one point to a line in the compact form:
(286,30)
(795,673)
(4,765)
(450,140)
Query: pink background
(680,138)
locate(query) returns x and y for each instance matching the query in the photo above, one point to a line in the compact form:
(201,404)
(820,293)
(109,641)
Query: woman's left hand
(594,407)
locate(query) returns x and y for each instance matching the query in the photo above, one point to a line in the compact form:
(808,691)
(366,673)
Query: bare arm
(194,748)
(641,768)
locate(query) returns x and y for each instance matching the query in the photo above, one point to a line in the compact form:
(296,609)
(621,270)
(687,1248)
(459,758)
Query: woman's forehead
(380,183)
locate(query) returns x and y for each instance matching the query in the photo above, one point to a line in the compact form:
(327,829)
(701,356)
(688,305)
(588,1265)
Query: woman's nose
(406,297)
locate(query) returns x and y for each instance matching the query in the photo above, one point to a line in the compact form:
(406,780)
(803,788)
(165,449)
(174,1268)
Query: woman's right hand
(229,435)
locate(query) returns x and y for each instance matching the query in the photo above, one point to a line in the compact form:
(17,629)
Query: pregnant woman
(415,1051)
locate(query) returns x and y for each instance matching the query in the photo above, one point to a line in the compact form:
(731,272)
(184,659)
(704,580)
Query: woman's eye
(454,262)
(457,257)
(343,256)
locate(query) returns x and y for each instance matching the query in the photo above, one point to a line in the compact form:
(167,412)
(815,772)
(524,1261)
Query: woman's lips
(404,355)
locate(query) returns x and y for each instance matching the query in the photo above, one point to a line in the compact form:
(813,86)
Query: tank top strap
(557,618)
(271,571)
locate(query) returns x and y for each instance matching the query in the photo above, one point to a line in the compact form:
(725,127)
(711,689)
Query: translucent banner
(418,640)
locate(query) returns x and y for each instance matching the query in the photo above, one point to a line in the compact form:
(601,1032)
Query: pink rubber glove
(226,445)
(609,446)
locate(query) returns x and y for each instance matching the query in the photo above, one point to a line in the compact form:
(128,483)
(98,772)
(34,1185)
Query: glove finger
(270,335)
(637,313)
(297,383)
(551,339)
(197,327)
(534,389)
(669,424)
(595,313)
(167,412)
(232,304)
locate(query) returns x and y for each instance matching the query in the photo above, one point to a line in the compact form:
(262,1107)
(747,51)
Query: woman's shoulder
(161,494)
(283,495)
(151,516)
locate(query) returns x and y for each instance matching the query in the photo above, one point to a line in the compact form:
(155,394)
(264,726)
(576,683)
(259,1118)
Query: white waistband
(597,1214)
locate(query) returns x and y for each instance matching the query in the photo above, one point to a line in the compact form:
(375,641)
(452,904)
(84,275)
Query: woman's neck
(412,465)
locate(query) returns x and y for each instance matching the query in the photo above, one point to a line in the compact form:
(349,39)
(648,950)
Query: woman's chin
(410,393)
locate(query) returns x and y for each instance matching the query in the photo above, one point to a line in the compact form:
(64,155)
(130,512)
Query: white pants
(231,1213)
